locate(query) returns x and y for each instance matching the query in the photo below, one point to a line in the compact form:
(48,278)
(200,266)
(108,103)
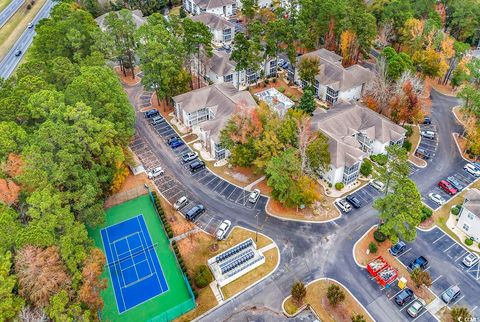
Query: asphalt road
(10,61)
(9,11)
(308,251)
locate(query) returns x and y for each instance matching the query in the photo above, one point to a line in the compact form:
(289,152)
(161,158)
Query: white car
(428,134)
(470,260)
(180,203)
(378,185)
(280,62)
(223,229)
(158,171)
(470,168)
(254,196)
(343,205)
(30,25)
(436,198)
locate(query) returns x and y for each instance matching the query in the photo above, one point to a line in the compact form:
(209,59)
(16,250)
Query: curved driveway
(309,251)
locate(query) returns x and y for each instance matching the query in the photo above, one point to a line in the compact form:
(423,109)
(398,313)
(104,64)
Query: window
(252,76)
(228,78)
(350,174)
(332,95)
(227,34)
(317,85)
(220,152)
(466,227)
(470,216)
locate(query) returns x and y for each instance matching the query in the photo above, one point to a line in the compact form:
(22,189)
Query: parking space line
(457,301)
(449,247)
(398,256)
(424,311)
(461,256)
(436,279)
(436,240)
(407,305)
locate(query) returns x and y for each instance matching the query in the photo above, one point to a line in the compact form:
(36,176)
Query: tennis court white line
(110,271)
(158,259)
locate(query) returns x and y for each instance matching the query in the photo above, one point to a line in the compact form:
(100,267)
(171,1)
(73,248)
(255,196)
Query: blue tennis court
(133,263)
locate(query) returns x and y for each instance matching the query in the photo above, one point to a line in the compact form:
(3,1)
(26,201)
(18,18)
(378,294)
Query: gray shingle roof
(208,4)
(213,21)
(472,201)
(222,99)
(220,63)
(346,119)
(334,75)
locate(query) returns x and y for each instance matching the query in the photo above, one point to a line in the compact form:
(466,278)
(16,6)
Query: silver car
(470,260)
(158,171)
(343,205)
(436,198)
(223,229)
(416,307)
(254,196)
(451,294)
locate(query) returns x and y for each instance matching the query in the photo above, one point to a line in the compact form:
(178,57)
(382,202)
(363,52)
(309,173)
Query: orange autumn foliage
(92,284)
(121,174)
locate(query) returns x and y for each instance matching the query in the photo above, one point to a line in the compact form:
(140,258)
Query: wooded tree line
(285,149)
(65,115)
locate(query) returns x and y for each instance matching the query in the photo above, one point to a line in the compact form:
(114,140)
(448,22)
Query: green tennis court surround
(177,300)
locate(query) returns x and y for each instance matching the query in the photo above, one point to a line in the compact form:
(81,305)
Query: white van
(378,185)
(428,134)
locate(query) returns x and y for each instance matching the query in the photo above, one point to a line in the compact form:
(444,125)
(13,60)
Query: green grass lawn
(4,4)
(167,306)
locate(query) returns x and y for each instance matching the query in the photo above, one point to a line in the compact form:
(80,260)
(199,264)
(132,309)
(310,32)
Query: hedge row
(165,222)
(181,262)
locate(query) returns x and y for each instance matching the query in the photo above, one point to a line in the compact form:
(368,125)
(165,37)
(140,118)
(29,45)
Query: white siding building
(224,8)
(223,31)
(469,216)
(354,132)
(334,82)
(207,110)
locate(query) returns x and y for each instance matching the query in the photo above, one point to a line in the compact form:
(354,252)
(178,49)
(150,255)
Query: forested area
(65,124)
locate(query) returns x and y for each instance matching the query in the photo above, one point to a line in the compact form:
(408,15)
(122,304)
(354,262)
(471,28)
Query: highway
(9,11)
(10,61)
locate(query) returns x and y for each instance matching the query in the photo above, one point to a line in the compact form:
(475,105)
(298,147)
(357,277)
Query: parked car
(176,144)
(156,119)
(196,166)
(404,297)
(398,248)
(422,153)
(470,168)
(158,171)
(447,187)
(151,113)
(428,134)
(427,120)
(451,294)
(343,205)
(195,212)
(436,198)
(189,156)
(180,203)
(254,195)
(285,65)
(419,262)
(173,139)
(223,229)
(416,307)
(378,185)
(280,62)
(18,53)
(455,183)
(354,201)
(470,260)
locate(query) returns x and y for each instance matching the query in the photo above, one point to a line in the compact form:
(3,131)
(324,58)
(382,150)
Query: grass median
(17,24)
(4,4)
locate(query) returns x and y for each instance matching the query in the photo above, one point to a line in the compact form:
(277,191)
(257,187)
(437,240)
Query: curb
(247,288)
(306,305)
(414,156)
(455,138)
(355,246)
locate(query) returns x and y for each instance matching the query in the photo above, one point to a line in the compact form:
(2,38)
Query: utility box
(402,283)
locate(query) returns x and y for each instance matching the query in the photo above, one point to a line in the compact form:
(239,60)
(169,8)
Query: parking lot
(461,175)
(366,195)
(427,144)
(172,190)
(445,266)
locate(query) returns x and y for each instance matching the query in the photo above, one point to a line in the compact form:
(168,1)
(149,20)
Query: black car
(419,262)
(427,120)
(196,166)
(404,297)
(422,153)
(354,201)
(18,53)
(455,183)
(151,113)
(173,139)
(195,212)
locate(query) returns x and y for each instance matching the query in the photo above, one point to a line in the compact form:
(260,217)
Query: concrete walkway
(186,234)
(253,184)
